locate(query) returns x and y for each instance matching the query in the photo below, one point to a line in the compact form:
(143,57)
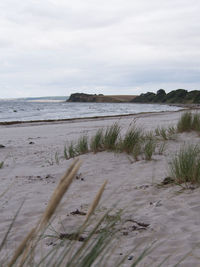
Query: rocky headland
(81,97)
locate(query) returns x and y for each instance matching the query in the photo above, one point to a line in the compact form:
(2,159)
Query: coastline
(89,118)
(31,171)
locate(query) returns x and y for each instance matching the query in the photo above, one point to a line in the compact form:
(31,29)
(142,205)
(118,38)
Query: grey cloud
(98,45)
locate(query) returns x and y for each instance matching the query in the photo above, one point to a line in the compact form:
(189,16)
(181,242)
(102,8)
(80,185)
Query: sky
(59,47)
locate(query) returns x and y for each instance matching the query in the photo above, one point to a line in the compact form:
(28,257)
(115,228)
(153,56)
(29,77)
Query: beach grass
(166,133)
(132,138)
(189,122)
(185,165)
(72,150)
(196,122)
(1,164)
(96,143)
(111,136)
(162,147)
(185,122)
(65,153)
(137,150)
(162,132)
(82,145)
(149,148)
(134,142)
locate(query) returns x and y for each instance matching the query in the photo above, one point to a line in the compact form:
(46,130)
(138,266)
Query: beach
(168,215)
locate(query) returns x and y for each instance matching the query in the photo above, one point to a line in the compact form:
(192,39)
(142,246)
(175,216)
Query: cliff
(81,97)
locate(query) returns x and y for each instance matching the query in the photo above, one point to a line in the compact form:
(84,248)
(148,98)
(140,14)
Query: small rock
(78,212)
(2,146)
(31,143)
(125,233)
(158,204)
(168,180)
(130,258)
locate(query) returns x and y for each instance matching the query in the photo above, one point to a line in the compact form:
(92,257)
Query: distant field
(125,98)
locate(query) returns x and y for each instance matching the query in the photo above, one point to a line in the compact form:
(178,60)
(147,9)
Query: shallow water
(29,110)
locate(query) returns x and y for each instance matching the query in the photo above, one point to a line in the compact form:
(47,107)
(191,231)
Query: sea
(55,108)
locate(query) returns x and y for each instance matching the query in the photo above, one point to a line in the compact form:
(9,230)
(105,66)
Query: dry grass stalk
(21,247)
(95,202)
(27,244)
(60,190)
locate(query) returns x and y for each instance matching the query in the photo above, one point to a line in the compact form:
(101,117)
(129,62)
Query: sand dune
(170,215)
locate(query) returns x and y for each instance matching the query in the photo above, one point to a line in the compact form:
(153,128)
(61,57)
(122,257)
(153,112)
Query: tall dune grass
(111,136)
(132,138)
(134,142)
(189,122)
(185,166)
(96,143)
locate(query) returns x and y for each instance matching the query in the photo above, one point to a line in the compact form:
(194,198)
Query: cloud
(58,47)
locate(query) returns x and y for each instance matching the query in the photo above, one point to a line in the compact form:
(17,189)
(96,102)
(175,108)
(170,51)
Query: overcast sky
(58,47)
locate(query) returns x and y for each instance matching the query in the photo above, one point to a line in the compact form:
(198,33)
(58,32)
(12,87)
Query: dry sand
(31,173)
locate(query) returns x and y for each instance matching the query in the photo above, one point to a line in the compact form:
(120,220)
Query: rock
(2,146)
(168,180)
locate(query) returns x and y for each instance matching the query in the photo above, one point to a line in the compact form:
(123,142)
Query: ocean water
(49,108)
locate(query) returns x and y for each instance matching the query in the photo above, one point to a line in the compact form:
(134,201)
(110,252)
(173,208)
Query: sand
(34,163)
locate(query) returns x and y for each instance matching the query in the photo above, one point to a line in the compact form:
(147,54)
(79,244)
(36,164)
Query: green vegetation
(71,150)
(149,148)
(96,143)
(137,151)
(189,122)
(82,145)
(166,133)
(65,153)
(134,142)
(185,166)
(175,96)
(161,131)
(185,122)
(132,138)
(110,137)
(161,148)
(1,164)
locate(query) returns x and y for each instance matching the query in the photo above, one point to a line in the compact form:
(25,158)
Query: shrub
(110,137)
(185,166)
